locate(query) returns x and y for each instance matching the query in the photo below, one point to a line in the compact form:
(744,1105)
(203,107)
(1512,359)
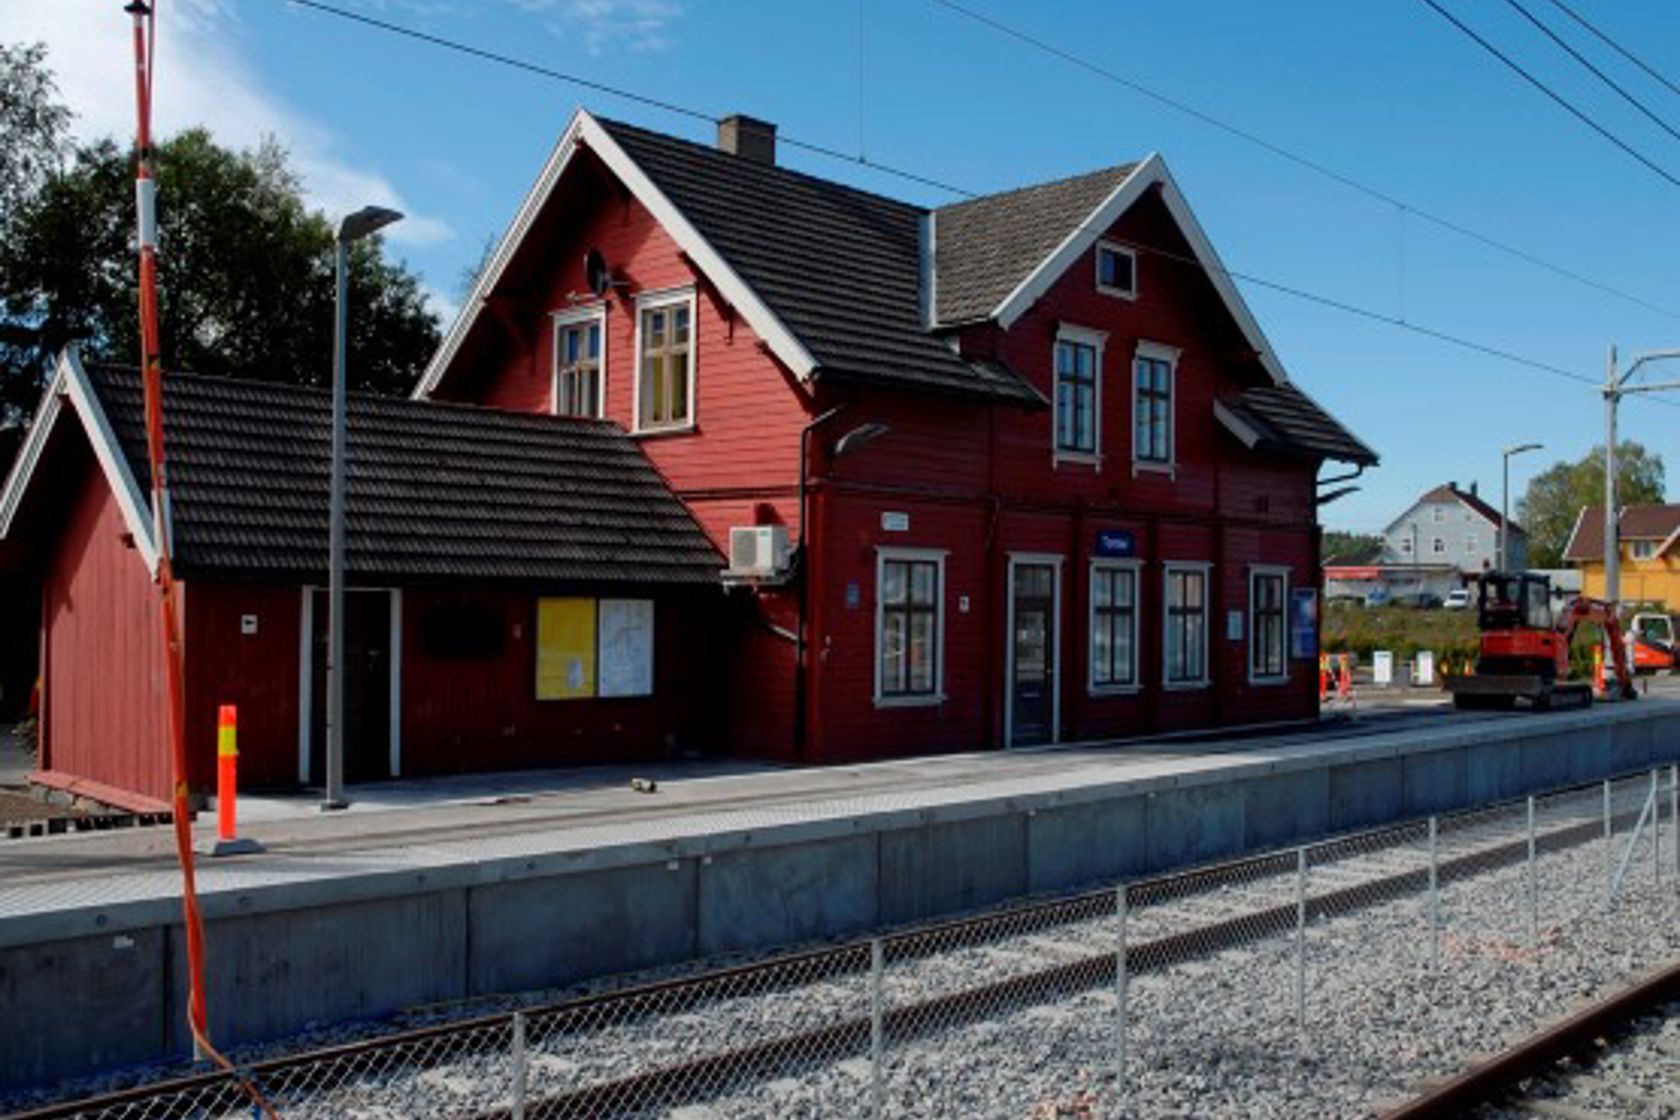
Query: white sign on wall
(1382,667)
(625,665)
(1425,671)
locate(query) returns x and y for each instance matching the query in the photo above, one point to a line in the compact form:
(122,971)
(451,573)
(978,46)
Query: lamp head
(367,220)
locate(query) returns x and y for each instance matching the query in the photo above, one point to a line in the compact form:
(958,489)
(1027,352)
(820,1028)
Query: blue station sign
(1116,542)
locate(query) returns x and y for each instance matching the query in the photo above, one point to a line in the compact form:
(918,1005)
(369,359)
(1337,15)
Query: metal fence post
(877,1102)
(1656,828)
(1533,882)
(1609,850)
(1120,1019)
(1434,892)
(1674,814)
(519,1066)
(1301,938)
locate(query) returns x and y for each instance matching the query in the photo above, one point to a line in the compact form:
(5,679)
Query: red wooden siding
(103,653)
(257,672)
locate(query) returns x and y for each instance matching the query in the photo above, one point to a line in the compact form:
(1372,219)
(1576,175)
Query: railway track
(1619,1056)
(1192,914)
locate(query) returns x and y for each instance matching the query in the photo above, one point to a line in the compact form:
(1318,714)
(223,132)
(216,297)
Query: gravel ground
(1637,1075)
(1213,1037)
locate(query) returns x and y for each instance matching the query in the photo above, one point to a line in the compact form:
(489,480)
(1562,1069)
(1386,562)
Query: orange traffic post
(228,842)
(1323,676)
(1598,669)
(1344,677)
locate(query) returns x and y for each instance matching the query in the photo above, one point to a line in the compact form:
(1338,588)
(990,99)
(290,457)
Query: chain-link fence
(1326,980)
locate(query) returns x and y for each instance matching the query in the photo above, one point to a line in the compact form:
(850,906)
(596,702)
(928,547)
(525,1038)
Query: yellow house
(1650,550)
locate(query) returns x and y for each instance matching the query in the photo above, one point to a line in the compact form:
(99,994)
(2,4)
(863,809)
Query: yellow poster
(565,649)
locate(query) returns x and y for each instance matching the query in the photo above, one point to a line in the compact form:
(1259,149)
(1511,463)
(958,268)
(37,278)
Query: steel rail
(1491,1080)
(704,1076)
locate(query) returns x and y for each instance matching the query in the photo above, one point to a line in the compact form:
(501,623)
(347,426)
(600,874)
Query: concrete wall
(363,945)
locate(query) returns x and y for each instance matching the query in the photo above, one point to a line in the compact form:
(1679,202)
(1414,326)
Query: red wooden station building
(722,457)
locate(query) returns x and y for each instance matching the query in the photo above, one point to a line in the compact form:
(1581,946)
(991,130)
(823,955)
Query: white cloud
(202,79)
(605,25)
(444,306)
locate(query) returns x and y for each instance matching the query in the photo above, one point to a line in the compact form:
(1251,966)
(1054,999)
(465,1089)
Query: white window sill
(1186,686)
(1076,458)
(1130,295)
(667,430)
(930,700)
(1150,466)
(1268,682)
(1100,691)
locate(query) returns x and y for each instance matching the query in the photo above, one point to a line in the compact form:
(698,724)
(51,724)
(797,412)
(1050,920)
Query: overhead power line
(1596,72)
(1613,45)
(1300,160)
(1556,97)
(1249,278)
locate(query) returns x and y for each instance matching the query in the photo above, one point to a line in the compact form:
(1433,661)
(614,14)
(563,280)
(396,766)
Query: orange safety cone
(1598,669)
(1323,677)
(228,842)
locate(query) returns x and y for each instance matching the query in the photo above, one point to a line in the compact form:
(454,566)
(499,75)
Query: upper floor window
(1116,270)
(1152,405)
(1078,391)
(1438,513)
(665,361)
(1643,550)
(1406,545)
(579,352)
(1438,546)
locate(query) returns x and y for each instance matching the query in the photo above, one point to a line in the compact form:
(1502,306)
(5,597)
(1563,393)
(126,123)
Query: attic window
(1644,550)
(1116,270)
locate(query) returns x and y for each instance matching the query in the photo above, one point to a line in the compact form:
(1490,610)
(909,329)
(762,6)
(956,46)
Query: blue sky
(1384,91)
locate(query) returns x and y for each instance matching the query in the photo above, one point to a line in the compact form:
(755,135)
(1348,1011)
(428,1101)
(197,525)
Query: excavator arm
(1582,609)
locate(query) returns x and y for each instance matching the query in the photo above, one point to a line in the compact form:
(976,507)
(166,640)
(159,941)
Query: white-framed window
(1153,371)
(580,362)
(1078,369)
(1185,649)
(1642,550)
(1470,545)
(1114,626)
(909,626)
(1116,270)
(1438,546)
(665,360)
(1406,546)
(1268,636)
(1438,514)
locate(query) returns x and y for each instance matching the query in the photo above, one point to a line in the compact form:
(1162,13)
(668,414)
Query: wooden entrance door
(1032,589)
(367,687)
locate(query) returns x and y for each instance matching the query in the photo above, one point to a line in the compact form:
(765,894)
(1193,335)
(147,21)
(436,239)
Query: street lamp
(1615,388)
(1505,498)
(354,227)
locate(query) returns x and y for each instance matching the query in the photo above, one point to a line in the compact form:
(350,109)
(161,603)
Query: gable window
(1438,546)
(1113,626)
(1643,550)
(1439,514)
(1268,590)
(1116,270)
(1406,546)
(665,361)
(1152,406)
(1186,621)
(909,625)
(579,351)
(1078,391)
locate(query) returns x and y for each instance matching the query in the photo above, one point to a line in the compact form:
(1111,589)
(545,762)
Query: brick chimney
(749,138)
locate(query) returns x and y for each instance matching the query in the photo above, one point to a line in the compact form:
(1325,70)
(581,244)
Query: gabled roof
(1282,418)
(1447,492)
(1638,523)
(444,492)
(986,247)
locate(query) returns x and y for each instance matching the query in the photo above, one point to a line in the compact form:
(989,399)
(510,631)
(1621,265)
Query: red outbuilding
(724,457)
(1023,469)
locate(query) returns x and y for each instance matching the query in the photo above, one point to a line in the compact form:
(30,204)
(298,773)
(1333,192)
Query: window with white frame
(1406,545)
(910,622)
(1438,513)
(1116,270)
(1438,546)
(1643,550)
(1078,390)
(1187,624)
(1152,405)
(1268,591)
(579,352)
(1113,626)
(665,361)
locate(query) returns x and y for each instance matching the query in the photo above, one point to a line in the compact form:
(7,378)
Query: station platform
(428,893)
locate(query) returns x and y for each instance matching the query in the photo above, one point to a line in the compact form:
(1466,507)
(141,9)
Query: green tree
(1554,499)
(1341,547)
(33,123)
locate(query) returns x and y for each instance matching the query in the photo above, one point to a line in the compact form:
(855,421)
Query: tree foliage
(32,121)
(245,273)
(1554,499)
(1341,547)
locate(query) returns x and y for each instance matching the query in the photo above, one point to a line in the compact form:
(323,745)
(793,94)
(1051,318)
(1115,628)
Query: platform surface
(471,828)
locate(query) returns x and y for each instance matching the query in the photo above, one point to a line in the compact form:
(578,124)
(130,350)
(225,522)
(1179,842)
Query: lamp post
(1615,388)
(353,227)
(1505,498)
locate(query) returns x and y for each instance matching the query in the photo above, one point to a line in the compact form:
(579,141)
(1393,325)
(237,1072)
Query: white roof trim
(1569,545)
(1236,425)
(585,131)
(1149,173)
(71,380)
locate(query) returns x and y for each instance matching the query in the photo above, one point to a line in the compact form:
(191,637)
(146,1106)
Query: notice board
(565,649)
(626,664)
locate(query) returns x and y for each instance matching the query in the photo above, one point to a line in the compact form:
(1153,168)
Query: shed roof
(436,491)
(1282,418)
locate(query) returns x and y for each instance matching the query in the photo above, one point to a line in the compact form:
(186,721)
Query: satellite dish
(596,273)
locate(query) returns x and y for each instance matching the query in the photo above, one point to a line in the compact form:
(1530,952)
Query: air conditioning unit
(760,551)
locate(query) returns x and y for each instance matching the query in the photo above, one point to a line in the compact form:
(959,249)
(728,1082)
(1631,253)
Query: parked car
(1421,600)
(1457,599)
(1378,597)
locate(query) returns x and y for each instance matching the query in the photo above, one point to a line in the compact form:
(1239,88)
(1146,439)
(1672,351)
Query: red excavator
(1525,650)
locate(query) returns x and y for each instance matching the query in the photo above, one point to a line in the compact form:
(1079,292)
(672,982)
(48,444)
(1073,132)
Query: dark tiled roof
(841,268)
(436,491)
(986,246)
(1638,523)
(1288,420)
(1447,492)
